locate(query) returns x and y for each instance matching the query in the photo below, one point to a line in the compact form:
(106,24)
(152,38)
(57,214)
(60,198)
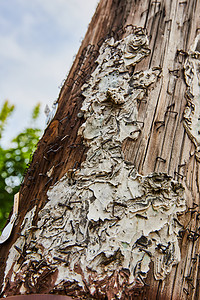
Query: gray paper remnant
(107,218)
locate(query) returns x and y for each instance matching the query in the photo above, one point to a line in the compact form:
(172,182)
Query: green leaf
(5,112)
(36,112)
(14,160)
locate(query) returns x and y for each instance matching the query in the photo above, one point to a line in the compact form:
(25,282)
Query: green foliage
(13,160)
(36,112)
(4,114)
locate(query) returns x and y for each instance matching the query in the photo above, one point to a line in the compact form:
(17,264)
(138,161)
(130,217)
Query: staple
(90,70)
(120,31)
(64,251)
(59,259)
(141,216)
(140,277)
(194,259)
(162,247)
(34,199)
(76,165)
(146,251)
(91,48)
(144,12)
(179,175)
(182,165)
(18,233)
(189,96)
(118,62)
(30,170)
(113,209)
(94,54)
(118,34)
(192,212)
(66,136)
(77,81)
(120,204)
(100,42)
(42,277)
(138,122)
(143,100)
(191,285)
(88,67)
(193,235)
(60,121)
(56,150)
(79,64)
(170,106)
(170,20)
(186,21)
(130,25)
(175,72)
(172,112)
(137,130)
(61,163)
(108,119)
(19,250)
(177,221)
(65,205)
(32,228)
(70,82)
(182,52)
(160,158)
(186,291)
(80,60)
(162,123)
(195,205)
(84,51)
(73,231)
(111,34)
(113,147)
(83,73)
(82,55)
(52,146)
(50,179)
(42,174)
(140,31)
(120,28)
(188,278)
(73,145)
(67,259)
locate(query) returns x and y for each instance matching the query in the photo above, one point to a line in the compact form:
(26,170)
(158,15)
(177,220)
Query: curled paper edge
(8,229)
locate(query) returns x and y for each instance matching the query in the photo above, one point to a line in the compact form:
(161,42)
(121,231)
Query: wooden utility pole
(109,207)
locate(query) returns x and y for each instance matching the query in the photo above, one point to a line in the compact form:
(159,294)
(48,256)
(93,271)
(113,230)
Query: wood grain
(163,146)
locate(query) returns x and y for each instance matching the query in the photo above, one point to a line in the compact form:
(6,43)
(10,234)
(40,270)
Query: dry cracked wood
(149,95)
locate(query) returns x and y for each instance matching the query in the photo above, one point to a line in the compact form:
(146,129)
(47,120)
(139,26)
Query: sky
(38,42)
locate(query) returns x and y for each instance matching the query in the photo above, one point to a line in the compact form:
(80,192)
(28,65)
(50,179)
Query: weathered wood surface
(163,145)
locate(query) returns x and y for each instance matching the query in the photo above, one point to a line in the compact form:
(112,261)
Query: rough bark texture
(123,207)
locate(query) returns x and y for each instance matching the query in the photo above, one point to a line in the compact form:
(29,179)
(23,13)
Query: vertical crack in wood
(104,223)
(191,114)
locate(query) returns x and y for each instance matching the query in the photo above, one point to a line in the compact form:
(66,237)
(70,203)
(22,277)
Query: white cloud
(68,13)
(38,39)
